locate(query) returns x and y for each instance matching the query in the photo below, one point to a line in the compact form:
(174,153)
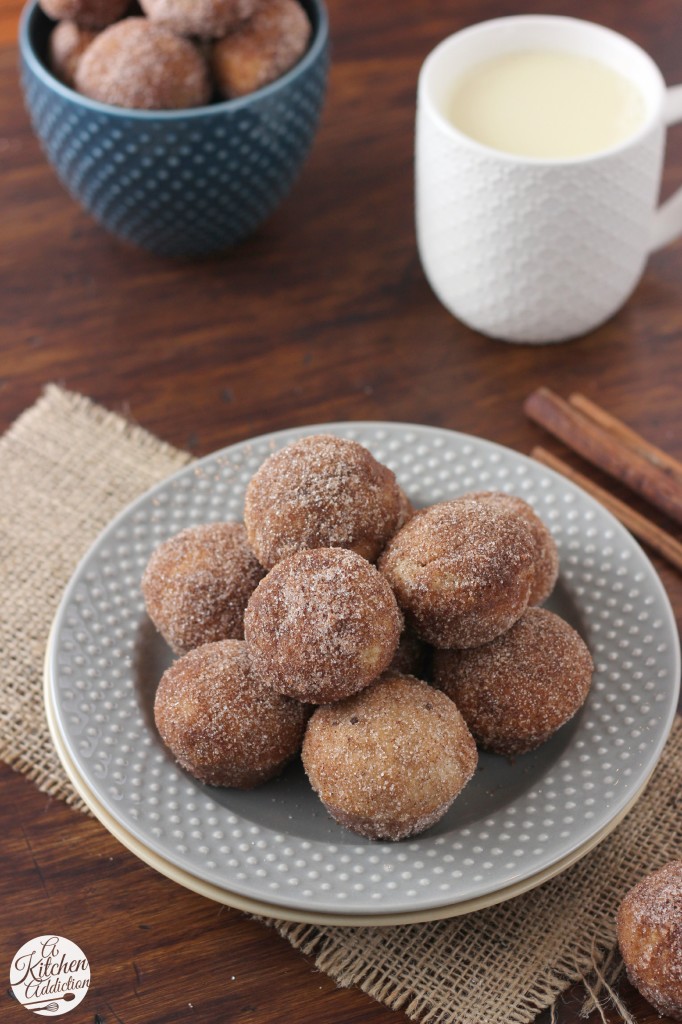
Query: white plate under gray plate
(251,906)
(277,844)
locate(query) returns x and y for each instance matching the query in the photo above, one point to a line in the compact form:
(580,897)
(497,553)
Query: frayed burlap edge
(510,962)
(68,467)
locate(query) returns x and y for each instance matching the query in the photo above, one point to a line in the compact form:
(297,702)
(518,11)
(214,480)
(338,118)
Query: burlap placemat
(67,467)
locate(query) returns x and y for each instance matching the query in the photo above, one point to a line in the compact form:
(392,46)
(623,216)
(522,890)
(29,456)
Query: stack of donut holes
(173,54)
(381,643)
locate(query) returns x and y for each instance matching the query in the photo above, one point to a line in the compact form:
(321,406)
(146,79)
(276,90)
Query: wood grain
(323,315)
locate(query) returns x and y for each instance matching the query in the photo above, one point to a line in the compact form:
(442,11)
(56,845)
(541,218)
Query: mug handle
(667,224)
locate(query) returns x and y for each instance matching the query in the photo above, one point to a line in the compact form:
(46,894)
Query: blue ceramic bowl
(178,182)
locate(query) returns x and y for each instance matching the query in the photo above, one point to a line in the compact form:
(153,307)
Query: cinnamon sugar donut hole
(261,49)
(222,724)
(207,19)
(389,762)
(515,692)
(87,13)
(547,555)
(67,44)
(322,625)
(649,929)
(197,584)
(462,571)
(138,65)
(320,492)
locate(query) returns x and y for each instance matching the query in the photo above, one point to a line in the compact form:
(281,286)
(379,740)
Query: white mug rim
(654,118)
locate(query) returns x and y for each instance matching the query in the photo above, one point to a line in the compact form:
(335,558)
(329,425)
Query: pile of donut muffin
(314,626)
(173,54)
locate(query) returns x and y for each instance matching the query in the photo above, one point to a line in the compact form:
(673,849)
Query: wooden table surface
(323,315)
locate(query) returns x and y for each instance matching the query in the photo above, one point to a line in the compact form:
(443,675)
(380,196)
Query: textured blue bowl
(182,182)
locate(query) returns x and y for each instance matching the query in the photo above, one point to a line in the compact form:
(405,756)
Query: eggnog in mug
(546,104)
(539,151)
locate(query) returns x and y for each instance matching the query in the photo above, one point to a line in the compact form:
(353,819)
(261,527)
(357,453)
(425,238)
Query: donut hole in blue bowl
(177,182)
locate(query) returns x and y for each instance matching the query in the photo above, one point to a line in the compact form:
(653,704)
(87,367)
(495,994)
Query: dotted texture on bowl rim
(277,844)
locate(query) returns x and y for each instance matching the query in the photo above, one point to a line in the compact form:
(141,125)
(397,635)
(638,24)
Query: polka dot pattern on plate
(276,843)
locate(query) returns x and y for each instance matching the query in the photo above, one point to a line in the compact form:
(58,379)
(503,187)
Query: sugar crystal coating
(322,625)
(322,491)
(261,49)
(93,14)
(68,42)
(197,584)
(204,18)
(220,721)
(547,555)
(517,690)
(649,926)
(462,571)
(389,761)
(139,65)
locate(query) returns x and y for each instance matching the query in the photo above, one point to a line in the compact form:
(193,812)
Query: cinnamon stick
(626,434)
(596,444)
(647,531)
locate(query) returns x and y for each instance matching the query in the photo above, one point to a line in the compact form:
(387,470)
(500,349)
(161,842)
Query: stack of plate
(274,850)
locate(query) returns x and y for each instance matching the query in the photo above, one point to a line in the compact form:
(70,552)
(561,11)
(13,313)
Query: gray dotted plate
(277,844)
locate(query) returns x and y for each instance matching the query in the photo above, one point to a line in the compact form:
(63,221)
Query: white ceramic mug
(532,250)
